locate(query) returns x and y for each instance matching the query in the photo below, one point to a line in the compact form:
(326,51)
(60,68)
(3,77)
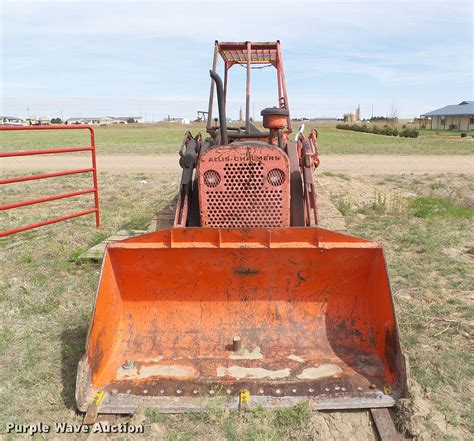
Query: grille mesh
(276,177)
(211,178)
(245,201)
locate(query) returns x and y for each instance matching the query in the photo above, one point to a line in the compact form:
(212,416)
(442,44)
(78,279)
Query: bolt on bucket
(289,315)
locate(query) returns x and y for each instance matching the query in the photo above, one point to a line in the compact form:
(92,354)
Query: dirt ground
(353,164)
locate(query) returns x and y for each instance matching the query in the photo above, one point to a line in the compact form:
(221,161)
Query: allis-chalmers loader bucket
(246,296)
(287,314)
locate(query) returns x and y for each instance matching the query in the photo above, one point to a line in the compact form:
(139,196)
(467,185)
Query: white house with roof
(11,121)
(83,120)
(453,117)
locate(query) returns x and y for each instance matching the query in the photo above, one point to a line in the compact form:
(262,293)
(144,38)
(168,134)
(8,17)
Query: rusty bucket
(289,315)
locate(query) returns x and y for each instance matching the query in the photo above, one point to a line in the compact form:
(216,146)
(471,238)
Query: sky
(119,58)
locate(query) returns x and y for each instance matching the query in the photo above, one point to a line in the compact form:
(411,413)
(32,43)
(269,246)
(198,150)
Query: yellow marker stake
(93,410)
(387,390)
(98,397)
(244,399)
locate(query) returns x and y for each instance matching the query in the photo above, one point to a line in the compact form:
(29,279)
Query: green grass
(335,141)
(428,206)
(118,139)
(252,424)
(447,133)
(343,204)
(166,138)
(295,417)
(337,175)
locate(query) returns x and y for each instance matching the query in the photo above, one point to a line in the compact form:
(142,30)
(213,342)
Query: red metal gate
(92,170)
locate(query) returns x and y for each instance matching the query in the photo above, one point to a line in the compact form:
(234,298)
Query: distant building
(173,120)
(38,121)
(11,121)
(32,121)
(107,120)
(177,120)
(129,119)
(83,120)
(453,117)
(352,117)
(104,120)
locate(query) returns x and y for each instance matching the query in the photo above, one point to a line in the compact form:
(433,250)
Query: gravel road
(351,164)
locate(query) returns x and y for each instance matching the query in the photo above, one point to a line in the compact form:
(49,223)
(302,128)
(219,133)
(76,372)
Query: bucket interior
(309,320)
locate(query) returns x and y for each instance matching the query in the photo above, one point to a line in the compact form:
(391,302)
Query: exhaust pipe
(220,103)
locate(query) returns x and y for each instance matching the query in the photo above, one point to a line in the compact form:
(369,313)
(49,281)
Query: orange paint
(175,299)
(244,187)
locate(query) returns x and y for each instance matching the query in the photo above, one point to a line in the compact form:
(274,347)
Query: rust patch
(328,387)
(246,271)
(391,348)
(244,354)
(369,365)
(152,360)
(96,355)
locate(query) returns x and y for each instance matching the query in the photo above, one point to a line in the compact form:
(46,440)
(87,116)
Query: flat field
(166,138)
(424,220)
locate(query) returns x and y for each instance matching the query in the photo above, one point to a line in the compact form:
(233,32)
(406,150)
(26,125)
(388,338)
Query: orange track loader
(245,295)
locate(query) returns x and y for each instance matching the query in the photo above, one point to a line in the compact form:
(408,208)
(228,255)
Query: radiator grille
(244,187)
(244,201)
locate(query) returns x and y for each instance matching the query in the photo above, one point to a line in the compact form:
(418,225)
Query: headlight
(211,178)
(276,177)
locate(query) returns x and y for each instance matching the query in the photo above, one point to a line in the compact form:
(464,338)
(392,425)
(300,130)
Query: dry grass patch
(426,225)
(46,298)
